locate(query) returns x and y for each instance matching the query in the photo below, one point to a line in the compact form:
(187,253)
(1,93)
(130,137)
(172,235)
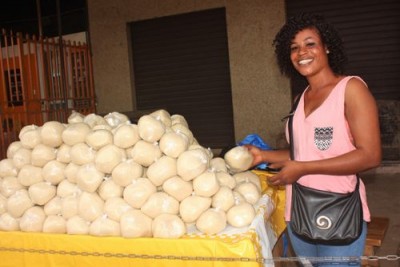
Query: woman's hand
(267,156)
(290,171)
(256,153)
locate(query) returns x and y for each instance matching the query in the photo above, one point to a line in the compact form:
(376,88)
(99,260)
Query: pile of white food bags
(105,176)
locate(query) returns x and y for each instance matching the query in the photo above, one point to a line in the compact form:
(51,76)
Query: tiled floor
(383,192)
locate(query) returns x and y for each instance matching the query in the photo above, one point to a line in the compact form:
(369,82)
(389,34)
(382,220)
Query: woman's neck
(323,80)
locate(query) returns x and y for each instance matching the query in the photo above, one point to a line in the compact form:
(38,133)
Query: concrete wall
(261,96)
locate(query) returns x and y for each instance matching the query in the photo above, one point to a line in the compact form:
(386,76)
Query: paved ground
(383,192)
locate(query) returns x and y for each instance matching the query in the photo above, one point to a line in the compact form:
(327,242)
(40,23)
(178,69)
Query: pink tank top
(324,134)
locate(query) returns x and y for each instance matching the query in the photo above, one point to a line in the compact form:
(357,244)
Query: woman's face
(307,52)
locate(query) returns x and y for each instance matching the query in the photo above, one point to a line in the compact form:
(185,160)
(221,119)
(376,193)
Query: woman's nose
(302,50)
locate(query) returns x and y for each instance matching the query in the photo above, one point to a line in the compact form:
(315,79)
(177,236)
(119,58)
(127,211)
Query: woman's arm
(267,156)
(362,115)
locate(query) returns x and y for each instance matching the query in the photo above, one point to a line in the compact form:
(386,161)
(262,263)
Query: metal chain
(199,258)
(336,259)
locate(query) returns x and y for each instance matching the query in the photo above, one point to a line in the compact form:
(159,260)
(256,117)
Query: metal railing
(41,79)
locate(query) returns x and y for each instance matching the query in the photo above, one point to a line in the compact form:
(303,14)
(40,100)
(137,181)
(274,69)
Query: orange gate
(41,80)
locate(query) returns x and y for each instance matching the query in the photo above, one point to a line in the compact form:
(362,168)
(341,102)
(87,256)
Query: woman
(336,126)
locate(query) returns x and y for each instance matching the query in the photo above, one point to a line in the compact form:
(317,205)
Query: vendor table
(250,246)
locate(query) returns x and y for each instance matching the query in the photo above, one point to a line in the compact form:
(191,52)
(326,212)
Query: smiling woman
(335,132)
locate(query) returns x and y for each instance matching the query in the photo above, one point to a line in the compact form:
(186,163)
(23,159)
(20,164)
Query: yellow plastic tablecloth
(245,248)
(277,194)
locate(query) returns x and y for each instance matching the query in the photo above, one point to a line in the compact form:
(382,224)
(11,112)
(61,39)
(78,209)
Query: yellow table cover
(233,247)
(277,194)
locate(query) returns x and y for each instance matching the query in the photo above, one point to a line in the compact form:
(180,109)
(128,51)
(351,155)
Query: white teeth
(305,61)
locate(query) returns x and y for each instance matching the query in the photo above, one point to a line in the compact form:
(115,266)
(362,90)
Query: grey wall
(260,95)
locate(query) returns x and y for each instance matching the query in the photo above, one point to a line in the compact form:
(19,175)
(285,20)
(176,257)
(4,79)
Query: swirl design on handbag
(323,222)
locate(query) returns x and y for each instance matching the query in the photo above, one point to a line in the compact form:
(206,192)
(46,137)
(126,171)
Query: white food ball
(53,172)
(114,208)
(168,226)
(32,220)
(29,175)
(41,154)
(9,185)
(241,215)
(208,151)
(212,221)
(126,135)
(248,176)
(69,206)
(150,129)
(161,170)
(163,116)
(225,179)
(66,188)
(108,157)
(134,223)
(159,203)
(70,172)
(94,120)
(14,146)
(77,226)
(178,188)
(249,191)
(125,172)
(7,168)
(206,184)
(102,127)
(30,136)
(3,204)
(145,153)
(183,129)
(41,193)
(89,178)
(75,133)
(103,226)
(53,206)
(55,224)
(192,163)
(90,206)
(137,193)
(115,118)
(238,198)
(173,144)
(179,119)
(238,159)
(75,117)
(192,207)
(99,138)
(63,154)
(51,132)
(109,189)
(218,164)
(81,154)
(8,223)
(223,199)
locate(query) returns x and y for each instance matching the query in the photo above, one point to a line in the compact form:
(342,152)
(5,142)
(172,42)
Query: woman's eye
(293,48)
(310,44)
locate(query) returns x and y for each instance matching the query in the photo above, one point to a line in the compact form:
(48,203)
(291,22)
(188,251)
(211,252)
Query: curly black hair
(329,36)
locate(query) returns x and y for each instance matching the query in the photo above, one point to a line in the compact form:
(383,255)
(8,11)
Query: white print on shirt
(323,137)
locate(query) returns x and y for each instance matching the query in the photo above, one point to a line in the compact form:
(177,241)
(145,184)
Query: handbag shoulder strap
(290,125)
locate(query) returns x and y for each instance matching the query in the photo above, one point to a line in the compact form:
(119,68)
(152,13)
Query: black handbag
(324,217)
